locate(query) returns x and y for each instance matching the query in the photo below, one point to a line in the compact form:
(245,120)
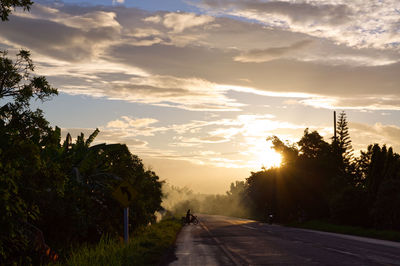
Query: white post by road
(126,225)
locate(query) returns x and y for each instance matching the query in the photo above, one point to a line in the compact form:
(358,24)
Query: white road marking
(249,227)
(343,252)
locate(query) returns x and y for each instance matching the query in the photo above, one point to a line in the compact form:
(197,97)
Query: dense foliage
(6,7)
(58,194)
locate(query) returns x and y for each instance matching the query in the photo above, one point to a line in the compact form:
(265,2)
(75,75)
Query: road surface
(220,240)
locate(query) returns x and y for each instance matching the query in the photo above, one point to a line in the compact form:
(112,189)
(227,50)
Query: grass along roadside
(145,248)
(348,230)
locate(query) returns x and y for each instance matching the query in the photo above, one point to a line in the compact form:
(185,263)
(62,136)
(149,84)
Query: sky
(195,87)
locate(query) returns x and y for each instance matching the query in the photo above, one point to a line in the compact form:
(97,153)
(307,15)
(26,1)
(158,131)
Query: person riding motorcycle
(188,216)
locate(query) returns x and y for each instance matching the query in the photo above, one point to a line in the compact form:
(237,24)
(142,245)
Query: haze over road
(220,240)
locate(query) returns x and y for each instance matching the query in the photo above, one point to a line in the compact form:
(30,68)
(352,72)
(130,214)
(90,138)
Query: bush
(146,247)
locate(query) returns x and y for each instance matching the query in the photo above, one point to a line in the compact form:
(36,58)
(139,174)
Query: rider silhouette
(188,216)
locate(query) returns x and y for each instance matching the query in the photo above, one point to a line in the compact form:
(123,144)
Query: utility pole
(334,126)
(126,225)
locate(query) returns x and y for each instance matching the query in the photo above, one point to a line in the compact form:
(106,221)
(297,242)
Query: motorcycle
(270,218)
(193,220)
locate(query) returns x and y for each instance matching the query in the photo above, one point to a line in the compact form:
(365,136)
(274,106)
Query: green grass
(146,247)
(349,230)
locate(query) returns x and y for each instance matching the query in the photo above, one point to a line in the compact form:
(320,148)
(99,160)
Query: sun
(268,158)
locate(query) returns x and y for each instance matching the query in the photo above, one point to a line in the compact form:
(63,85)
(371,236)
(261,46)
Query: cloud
(178,22)
(85,20)
(370,102)
(297,12)
(194,62)
(129,122)
(190,94)
(354,23)
(153,19)
(247,128)
(64,41)
(272,53)
(301,78)
(132,127)
(239,142)
(365,134)
(145,32)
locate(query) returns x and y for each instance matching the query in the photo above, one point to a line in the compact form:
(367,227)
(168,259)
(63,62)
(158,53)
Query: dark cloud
(55,39)
(153,91)
(217,66)
(272,53)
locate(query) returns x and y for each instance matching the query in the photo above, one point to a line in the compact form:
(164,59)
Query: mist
(177,200)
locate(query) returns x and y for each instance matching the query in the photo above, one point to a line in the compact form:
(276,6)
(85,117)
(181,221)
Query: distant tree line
(321,180)
(57,194)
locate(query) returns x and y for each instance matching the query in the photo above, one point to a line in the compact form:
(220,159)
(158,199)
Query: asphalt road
(220,240)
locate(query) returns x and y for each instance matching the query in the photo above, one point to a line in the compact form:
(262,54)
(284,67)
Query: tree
(25,139)
(351,206)
(386,209)
(18,82)
(86,209)
(312,145)
(343,139)
(289,152)
(7,5)
(346,164)
(24,136)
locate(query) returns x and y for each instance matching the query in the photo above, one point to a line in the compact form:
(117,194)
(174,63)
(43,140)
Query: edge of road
(352,237)
(169,254)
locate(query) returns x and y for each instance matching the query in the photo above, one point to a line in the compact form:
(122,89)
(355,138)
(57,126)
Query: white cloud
(117,124)
(364,134)
(90,20)
(374,102)
(145,32)
(153,19)
(178,22)
(127,122)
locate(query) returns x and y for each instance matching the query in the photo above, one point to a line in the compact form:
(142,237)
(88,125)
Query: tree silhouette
(46,185)
(343,138)
(6,7)
(28,147)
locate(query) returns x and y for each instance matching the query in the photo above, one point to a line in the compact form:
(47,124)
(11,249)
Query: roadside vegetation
(147,246)
(57,193)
